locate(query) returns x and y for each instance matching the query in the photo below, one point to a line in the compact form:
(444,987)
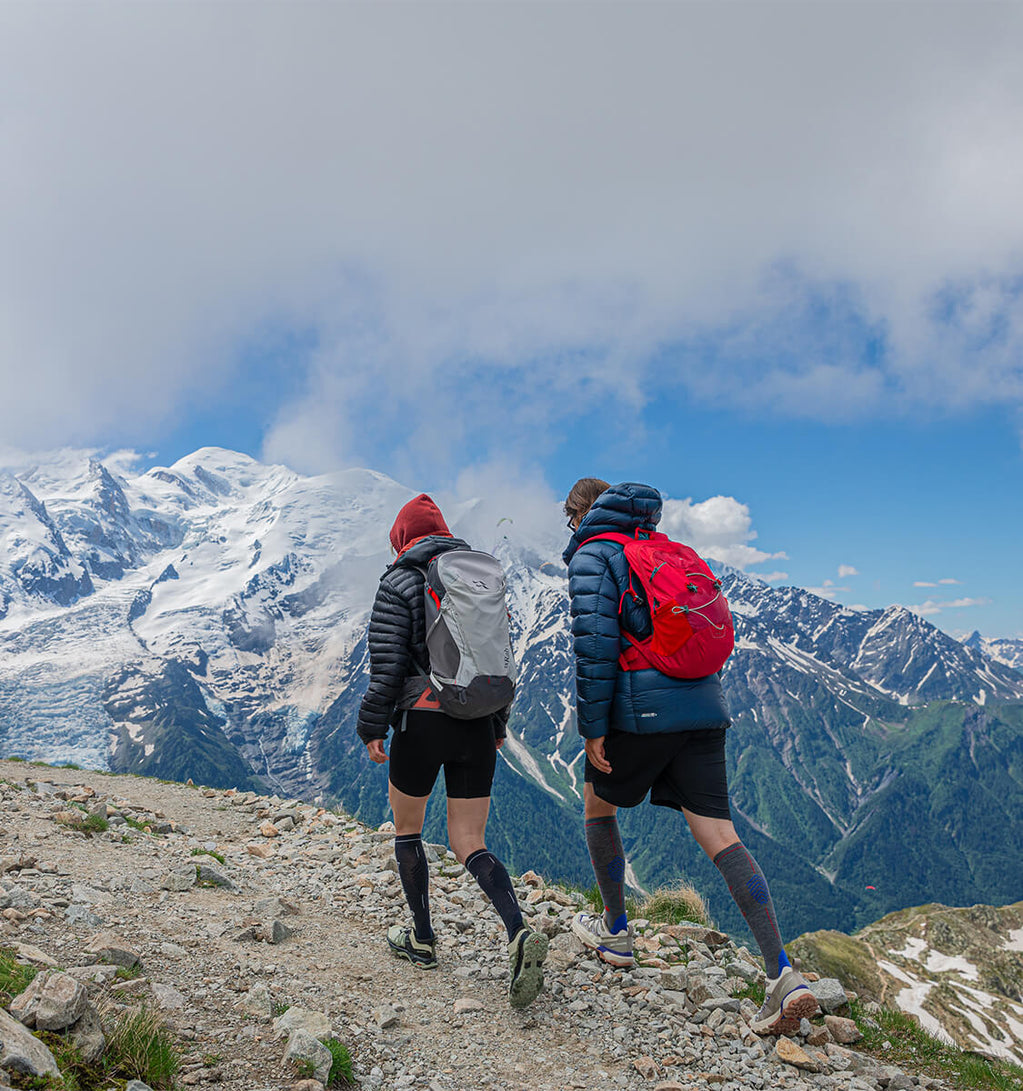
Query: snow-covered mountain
(1007,650)
(208,620)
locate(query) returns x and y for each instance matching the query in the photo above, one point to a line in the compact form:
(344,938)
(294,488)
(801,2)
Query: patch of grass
(596,902)
(754,991)
(209,852)
(14,977)
(898,1039)
(129,973)
(211,1059)
(675,905)
(15,757)
(77,1074)
(279,1008)
(341,1065)
(142,827)
(90,824)
(139,1047)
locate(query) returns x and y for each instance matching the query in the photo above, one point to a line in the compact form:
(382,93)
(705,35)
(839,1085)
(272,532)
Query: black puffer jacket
(397,641)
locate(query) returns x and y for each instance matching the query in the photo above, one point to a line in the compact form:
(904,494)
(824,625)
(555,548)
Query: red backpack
(693,631)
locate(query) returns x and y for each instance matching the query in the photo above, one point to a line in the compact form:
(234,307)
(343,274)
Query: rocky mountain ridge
(254,926)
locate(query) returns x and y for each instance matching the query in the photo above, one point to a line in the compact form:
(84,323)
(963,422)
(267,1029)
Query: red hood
(419,518)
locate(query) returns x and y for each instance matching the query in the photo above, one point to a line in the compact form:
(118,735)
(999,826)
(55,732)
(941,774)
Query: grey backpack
(472,666)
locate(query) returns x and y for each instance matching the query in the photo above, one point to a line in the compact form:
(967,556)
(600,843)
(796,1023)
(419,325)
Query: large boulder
(52,1001)
(21,1050)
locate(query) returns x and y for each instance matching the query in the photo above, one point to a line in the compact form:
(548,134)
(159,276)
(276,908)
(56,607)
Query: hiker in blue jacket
(646,732)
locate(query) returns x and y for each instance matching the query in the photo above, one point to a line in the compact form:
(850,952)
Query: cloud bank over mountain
(808,211)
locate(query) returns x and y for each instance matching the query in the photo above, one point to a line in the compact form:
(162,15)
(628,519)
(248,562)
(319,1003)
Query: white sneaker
(615,948)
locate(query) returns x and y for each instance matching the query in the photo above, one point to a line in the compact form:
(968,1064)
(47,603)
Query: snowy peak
(37,561)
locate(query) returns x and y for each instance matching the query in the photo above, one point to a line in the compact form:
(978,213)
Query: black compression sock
(608,859)
(492,876)
(414,873)
(748,887)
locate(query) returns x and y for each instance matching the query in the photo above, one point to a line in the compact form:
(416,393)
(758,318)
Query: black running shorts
(679,769)
(465,748)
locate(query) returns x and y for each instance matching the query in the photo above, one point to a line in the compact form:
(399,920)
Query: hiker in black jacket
(426,739)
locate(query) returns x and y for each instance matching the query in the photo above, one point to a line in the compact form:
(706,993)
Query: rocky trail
(252,959)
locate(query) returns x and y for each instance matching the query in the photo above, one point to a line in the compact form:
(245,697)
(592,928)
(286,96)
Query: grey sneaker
(788,1001)
(403,943)
(526,953)
(614,948)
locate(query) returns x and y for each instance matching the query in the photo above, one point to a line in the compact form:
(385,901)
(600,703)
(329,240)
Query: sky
(766,256)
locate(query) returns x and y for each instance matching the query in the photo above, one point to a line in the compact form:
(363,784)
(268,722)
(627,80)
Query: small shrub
(14,757)
(675,904)
(341,1065)
(139,1047)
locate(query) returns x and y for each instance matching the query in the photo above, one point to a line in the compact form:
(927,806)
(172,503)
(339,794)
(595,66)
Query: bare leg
(467,823)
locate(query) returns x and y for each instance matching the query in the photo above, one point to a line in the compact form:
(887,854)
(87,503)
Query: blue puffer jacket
(640,701)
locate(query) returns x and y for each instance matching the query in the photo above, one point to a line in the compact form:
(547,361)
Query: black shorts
(679,769)
(465,748)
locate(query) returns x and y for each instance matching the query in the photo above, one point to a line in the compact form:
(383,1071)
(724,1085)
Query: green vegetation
(897,1038)
(209,852)
(14,757)
(142,827)
(595,901)
(139,1047)
(90,824)
(341,1065)
(676,904)
(129,973)
(754,991)
(14,977)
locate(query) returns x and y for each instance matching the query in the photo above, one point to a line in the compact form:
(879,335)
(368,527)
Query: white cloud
(181,179)
(773,577)
(923,583)
(948,581)
(930,607)
(720,527)
(847,570)
(828,590)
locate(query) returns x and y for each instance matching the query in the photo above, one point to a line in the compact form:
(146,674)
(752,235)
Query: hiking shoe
(402,941)
(526,953)
(788,1001)
(614,948)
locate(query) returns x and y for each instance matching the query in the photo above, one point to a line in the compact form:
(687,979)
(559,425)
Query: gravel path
(224,957)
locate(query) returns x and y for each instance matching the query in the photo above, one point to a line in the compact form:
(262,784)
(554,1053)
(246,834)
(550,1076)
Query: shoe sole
(527,983)
(787,1021)
(614,958)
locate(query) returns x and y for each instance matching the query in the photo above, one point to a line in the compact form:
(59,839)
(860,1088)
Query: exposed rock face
(959,971)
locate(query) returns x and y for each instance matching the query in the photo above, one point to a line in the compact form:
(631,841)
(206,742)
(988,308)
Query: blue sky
(769,252)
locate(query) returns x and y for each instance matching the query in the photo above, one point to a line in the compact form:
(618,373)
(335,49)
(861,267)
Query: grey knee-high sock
(608,859)
(747,885)
(414,873)
(494,881)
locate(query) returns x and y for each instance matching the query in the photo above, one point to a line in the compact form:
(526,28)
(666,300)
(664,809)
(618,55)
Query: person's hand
(595,753)
(498,743)
(375,749)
